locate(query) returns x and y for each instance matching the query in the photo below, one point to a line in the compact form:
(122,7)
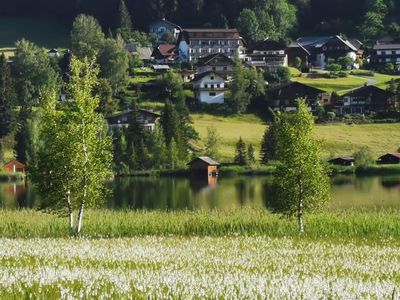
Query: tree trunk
(300,216)
(80,219)
(70,210)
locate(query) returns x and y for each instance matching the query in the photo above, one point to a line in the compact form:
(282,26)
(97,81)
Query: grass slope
(340,139)
(45,32)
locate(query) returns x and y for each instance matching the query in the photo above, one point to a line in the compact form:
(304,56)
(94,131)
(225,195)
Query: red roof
(166,49)
(396,154)
(14,162)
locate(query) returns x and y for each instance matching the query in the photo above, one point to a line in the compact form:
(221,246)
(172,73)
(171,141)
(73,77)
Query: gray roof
(160,67)
(144,53)
(320,41)
(207,160)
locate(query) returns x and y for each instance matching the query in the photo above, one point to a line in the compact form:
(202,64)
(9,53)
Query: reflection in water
(217,193)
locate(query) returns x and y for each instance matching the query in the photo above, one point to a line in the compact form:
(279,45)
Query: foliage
(269,142)
(107,104)
(283,73)
(345,62)
(212,143)
(7,98)
(301,182)
(333,67)
(169,84)
(125,22)
(248,26)
(251,159)
(87,37)
(363,157)
(240,98)
(297,63)
(241,155)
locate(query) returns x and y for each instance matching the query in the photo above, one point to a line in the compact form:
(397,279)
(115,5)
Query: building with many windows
(196,43)
(386,51)
(209,87)
(267,54)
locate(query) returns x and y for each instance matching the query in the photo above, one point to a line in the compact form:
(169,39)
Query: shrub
(364,157)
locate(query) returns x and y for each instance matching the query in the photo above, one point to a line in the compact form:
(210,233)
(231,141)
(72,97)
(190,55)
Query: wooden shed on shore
(389,159)
(203,166)
(14,166)
(342,161)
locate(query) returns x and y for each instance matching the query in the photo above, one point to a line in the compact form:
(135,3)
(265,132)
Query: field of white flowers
(193,268)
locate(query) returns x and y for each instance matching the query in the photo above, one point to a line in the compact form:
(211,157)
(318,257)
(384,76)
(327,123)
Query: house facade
(217,62)
(389,159)
(387,51)
(267,54)
(14,166)
(203,166)
(322,48)
(285,96)
(196,43)
(147,119)
(159,28)
(209,87)
(364,100)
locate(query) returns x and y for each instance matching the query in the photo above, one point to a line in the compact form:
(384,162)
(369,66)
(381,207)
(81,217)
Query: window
(212,86)
(214,68)
(205,85)
(218,86)
(225,68)
(211,77)
(212,94)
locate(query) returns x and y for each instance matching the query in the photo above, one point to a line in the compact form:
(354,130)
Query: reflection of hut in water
(202,184)
(14,166)
(204,166)
(391,182)
(16,189)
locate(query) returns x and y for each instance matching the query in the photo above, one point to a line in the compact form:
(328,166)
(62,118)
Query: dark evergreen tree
(119,150)
(269,142)
(251,159)
(125,22)
(7,98)
(241,153)
(240,98)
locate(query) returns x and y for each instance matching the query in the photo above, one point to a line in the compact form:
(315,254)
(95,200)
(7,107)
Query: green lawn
(45,32)
(340,139)
(341,85)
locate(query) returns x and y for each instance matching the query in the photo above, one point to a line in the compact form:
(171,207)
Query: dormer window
(211,77)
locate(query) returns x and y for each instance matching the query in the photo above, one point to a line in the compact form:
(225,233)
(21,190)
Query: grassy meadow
(339,139)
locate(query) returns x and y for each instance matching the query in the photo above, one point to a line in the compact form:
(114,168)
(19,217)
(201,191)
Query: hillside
(340,139)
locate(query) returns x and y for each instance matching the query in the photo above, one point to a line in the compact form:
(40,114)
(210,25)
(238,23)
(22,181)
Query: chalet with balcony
(267,54)
(343,161)
(389,159)
(209,87)
(365,100)
(196,43)
(387,51)
(285,96)
(159,28)
(322,48)
(217,62)
(147,119)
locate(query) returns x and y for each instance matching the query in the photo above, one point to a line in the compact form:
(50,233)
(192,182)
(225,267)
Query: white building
(196,43)
(386,51)
(209,87)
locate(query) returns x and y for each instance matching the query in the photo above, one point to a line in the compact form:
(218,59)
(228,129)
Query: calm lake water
(223,194)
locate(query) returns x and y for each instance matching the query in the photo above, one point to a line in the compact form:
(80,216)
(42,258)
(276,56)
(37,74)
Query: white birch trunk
(300,216)
(80,219)
(70,210)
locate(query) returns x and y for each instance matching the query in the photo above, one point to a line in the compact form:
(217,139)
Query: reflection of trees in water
(240,186)
(342,180)
(391,182)
(365,184)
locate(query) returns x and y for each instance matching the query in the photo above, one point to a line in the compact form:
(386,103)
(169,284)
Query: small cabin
(342,161)
(203,166)
(389,159)
(14,166)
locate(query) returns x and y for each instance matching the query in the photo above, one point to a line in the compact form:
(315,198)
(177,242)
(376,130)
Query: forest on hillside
(366,19)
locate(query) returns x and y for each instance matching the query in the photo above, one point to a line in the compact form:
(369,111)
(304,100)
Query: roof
(168,22)
(391,154)
(207,160)
(387,46)
(130,47)
(14,162)
(349,158)
(166,49)
(160,67)
(366,90)
(266,45)
(297,85)
(314,42)
(209,33)
(297,45)
(144,53)
(216,57)
(204,74)
(146,111)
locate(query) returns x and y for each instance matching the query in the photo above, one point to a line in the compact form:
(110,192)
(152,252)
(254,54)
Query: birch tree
(75,156)
(301,182)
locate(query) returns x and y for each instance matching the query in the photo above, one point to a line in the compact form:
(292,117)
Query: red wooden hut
(14,166)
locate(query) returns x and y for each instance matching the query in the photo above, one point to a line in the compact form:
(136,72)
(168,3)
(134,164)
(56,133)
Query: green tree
(297,63)
(345,62)
(125,22)
(256,87)
(241,153)
(248,26)
(269,142)
(114,63)
(363,157)
(87,37)
(119,150)
(170,84)
(1,154)
(251,159)
(75,158)
(240,98)
(212,143)
(107,104)
(301,182)
(7,98)
(33,73)
(283,73)
(373,24)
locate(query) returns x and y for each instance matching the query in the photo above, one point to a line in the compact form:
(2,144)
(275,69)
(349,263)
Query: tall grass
(246,222)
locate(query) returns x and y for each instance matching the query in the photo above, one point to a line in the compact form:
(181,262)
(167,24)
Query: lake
(348,191)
